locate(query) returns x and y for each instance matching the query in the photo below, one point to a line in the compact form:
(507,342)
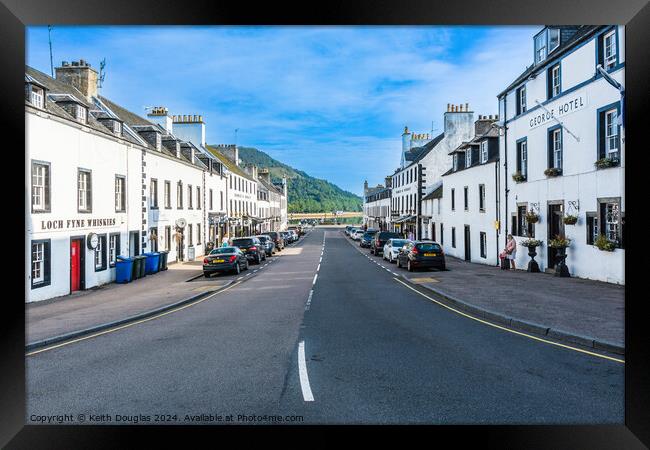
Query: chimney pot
(447,107)
(466,106)
(496,117)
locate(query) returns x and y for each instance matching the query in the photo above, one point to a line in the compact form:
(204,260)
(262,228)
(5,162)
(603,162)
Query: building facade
(564,149)
(470,196)
(104,182)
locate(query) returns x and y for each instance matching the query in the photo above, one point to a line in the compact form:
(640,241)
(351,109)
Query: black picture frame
(634,14)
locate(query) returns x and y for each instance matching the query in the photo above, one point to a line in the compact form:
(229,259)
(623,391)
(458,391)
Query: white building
(376,206)
(422,166)
(104,182)
(468,224)
(242,191)
(561,116)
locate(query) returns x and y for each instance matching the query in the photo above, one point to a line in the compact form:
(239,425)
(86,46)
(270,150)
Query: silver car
(391,248)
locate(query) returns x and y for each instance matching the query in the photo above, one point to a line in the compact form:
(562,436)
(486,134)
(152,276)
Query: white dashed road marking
(304,378)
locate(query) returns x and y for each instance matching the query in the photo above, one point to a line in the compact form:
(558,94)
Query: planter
(561,270)
(604,244)
(532,264)
(553,172)
(518,177)
(604,163)
(570,220)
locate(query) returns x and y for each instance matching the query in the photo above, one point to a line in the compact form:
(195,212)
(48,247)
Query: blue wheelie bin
(123,269)
(152,263)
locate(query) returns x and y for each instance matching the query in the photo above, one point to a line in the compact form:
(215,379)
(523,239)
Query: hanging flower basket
(604,163)
(570,219)
(532,217)
(604,244)
(553,172)
(518,177)
(559,242)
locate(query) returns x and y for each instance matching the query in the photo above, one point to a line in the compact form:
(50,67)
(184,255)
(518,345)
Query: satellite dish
(180,223)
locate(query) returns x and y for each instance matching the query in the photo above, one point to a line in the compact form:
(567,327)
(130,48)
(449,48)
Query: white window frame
(609,61)
(549,31)
(39,174)
(522,99)
(37,96)
(153,193)
(455,161)
(112,249)
(468,158)
(120,197)
(81,114)
(38,262)
(484,151)
(524,158)
(555,80)
(99,263)
(611,132)
(557,148)
(168,194)
(540,51)
(83,190)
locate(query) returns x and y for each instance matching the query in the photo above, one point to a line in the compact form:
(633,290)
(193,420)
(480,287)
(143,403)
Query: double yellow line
(509,330)
(130,324)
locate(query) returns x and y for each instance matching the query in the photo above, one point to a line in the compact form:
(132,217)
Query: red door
(75,265)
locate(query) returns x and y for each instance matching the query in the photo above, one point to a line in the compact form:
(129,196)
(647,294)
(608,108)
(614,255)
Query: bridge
(326,215)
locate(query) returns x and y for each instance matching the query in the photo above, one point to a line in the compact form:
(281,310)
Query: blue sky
(332,101)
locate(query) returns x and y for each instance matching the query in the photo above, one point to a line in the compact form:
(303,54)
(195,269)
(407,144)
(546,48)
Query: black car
(380,239)
(267,243)
(288,237)
(224,259)
(421,254)
(366,239)
(278,240)
(251,247)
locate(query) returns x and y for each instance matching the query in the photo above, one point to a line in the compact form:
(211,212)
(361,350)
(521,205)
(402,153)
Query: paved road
(375,352)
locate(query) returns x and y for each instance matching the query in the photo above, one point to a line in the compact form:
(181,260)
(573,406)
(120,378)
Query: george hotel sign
(564,107)
(75,224)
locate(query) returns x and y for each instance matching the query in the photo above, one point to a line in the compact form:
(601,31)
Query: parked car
(421,254)
(267,243)
(297,230)
(357,233)
(278,240)
(392,247)
(377,247)
(224,259)
(347,229)
(294,234)
(288,238)
(366,239)
(251,247)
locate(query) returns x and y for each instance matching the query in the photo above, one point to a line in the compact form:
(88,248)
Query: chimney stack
(80,75)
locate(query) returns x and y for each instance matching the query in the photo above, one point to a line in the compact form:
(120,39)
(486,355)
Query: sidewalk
(570,309)
(111,302)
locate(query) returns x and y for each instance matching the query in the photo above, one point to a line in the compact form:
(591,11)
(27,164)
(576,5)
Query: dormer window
(545,42)
(117,128)
(468,158)
(158,141)
(455,161)
(37,96)
(81,114)
(484,151)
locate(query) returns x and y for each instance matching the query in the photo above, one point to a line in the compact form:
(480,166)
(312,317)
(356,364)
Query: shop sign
(75,224)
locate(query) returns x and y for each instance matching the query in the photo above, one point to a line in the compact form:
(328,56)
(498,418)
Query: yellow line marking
(508,329)
(130,324)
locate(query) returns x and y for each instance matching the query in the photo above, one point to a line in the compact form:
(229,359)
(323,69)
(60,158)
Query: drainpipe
(497,185)
(505,165)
